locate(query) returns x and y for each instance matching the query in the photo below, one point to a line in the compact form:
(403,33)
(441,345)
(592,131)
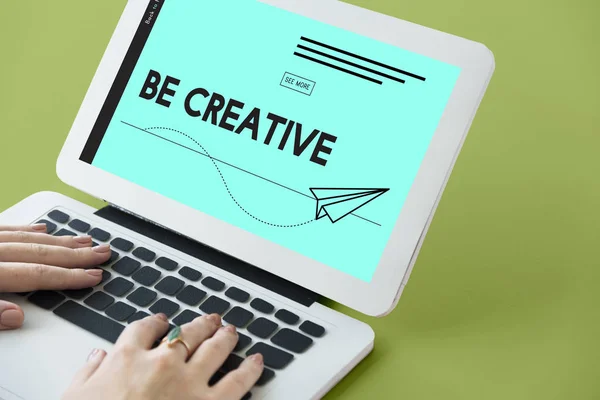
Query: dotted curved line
(227,186)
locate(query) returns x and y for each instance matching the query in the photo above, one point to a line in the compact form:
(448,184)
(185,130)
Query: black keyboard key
(191,295)
(185,317)
(46,299)
(214,305)
(91,321)
(243,342)
(105,276)
(190,273)
(237,294)
(120,311)
(122,244)
(142,296)
(144,254)
(50,226)
(99,301)
(65,232)
(292,340)
(169,286)
(126,266)
(113,257)
(273,357)
(262,327)
(118,286)
(58,216)
(238,317)
(265,377)
(213,284)
(262,306)
(137,316)
(166,263)
(312,329)
(146,276)
(232,362)
(78,294)
(165,306)
(99,234)
(79,225)
(287,317)
(217,376)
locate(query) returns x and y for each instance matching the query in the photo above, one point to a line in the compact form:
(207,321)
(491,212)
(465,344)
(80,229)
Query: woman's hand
(31,260)
(136,371)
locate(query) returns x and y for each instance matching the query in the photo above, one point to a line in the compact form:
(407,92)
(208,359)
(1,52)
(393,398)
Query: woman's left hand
(30,259)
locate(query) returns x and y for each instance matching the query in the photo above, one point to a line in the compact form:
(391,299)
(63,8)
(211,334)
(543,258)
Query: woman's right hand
(134,370)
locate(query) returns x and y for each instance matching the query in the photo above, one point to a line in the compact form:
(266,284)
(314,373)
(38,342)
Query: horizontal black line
(216,159)
(363,58)
(338,68)
(368,220)
(350,63)
(236,167)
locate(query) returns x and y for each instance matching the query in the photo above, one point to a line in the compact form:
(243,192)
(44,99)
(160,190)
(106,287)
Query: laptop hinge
(209,255)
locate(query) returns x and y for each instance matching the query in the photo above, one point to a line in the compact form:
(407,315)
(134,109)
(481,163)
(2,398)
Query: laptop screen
(299,132)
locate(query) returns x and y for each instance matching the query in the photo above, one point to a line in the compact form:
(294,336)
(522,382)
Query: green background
(503,302)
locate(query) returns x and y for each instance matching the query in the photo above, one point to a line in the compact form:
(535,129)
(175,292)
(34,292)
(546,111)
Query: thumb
(93,362)
(11,316)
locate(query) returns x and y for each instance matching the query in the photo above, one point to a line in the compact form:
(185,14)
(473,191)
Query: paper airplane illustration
(336,203)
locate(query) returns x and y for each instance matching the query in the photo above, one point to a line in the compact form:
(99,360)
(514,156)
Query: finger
(54,255)
(42,238)
(144,332)
(93,362)
(238,382)
(213,352)
(194,333)
(21,277)
(11,316)
(26,228)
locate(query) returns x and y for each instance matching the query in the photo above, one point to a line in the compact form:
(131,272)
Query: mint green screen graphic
(329,179)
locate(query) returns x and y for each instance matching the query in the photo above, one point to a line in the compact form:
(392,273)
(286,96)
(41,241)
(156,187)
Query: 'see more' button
(297,83)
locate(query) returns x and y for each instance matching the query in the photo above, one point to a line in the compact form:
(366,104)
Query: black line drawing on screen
(341,204)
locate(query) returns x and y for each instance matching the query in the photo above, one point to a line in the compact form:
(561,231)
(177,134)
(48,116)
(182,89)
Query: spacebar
(90,320)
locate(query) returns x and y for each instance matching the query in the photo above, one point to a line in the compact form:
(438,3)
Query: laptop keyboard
(138,281)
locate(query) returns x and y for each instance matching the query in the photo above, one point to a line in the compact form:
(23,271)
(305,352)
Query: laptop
(255,157)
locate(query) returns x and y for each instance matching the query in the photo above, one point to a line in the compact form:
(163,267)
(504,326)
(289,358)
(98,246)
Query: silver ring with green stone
(174,337)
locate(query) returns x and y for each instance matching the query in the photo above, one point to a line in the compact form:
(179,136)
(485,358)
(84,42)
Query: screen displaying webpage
(302,133)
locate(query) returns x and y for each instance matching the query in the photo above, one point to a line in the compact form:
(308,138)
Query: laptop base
(49,350)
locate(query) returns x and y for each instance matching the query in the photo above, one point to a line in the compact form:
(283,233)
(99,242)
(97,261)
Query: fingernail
(93,354)
(82,239)
(162,316)
(103,248)
(216,318)
(257,358)
(230,329)
(38,227)
(11,318)
(94,272)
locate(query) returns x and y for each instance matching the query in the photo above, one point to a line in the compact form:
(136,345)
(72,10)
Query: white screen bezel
(374,298)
